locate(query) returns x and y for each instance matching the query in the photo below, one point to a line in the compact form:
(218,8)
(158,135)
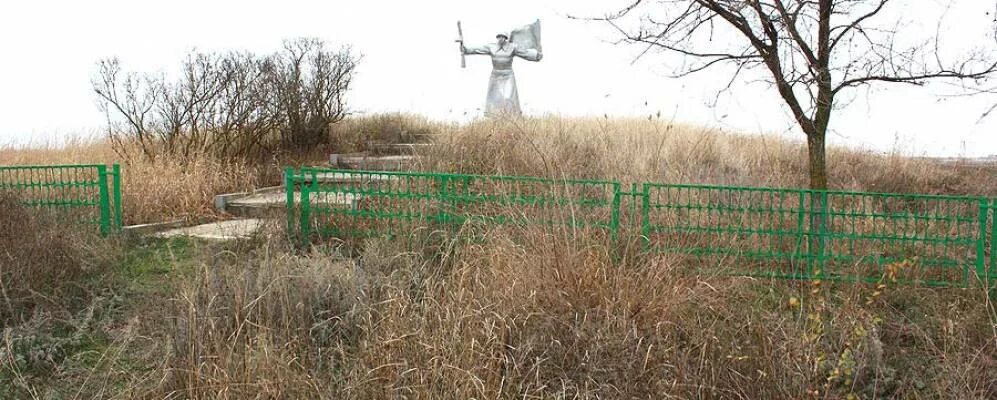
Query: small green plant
(847,352)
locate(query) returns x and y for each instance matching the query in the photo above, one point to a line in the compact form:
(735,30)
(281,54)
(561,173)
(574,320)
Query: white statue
(503,98)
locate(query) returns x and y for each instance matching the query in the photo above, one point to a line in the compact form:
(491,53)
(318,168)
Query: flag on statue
(527,37)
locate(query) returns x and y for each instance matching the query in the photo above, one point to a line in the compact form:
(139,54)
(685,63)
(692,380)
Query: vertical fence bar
(614,224)
(634,195)
(118,217)
(645,216)
(992,275)
(441,200)
(105,204)
(981,245)
(305,206)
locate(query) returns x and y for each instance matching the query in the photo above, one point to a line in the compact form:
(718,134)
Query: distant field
(990,161)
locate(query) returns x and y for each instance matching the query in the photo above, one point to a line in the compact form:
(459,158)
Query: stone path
(225,230)
(265,205)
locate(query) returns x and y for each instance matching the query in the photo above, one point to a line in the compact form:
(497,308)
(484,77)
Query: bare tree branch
(811,50)
(229,105)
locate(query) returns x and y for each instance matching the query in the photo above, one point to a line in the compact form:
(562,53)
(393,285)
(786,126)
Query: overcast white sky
(410,63)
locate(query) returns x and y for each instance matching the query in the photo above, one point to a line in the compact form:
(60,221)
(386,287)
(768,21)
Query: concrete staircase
(270,204)
(367,162)
(252,209)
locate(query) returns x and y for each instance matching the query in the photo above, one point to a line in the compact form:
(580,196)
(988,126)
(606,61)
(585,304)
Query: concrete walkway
(225,230)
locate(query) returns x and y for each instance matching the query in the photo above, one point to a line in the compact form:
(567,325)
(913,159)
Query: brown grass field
(518,314)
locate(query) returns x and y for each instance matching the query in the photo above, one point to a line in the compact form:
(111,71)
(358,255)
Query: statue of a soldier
(503,97)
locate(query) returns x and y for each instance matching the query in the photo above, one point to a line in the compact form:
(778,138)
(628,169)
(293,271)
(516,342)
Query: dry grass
(52,278)
(630,150)
(535,313)
(354,134)
(41,261)
(162,189)
(642,150)
(559,319)
(258,323)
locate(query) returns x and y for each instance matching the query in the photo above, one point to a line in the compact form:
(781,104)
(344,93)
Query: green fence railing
(806,234)
(992,239)
(779,233)
(352,204)
(85,194)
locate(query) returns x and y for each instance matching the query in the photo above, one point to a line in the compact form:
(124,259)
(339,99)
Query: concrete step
(375,163)
(220,231)
(274,204)
(343,178)
(383,149)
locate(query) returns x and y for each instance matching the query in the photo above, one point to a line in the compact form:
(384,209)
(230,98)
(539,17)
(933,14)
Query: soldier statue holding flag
(503,97)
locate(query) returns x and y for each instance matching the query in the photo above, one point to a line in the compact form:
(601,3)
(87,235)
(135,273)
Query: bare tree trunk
(818,165)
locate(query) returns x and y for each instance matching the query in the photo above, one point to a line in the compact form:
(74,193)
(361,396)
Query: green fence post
(992,276)
(118,219)
(633,218)
(614,223)
(465,191)
(645,216)
(306,223)
(441,200)
(981,247)
(105,205)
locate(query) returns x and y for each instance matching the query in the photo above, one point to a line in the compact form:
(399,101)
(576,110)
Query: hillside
(491,313)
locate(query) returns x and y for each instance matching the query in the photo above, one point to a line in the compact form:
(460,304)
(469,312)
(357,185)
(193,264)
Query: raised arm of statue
(472,50)
(529,54)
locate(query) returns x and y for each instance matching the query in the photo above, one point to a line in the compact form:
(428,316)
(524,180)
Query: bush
(229,105)
(40,261)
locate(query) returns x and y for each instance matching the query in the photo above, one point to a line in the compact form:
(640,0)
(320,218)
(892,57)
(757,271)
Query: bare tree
(309,83)
(128,97)
(810,51)
(228,105)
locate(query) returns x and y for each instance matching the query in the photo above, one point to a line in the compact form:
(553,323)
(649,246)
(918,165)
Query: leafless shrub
(228,105)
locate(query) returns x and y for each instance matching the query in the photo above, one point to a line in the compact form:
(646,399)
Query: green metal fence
(806,234)
(357,204)
(778,233)
(86,194)
(993,245)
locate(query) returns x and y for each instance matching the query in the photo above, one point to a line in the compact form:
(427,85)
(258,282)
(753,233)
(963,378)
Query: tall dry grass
(536,313)
(41,261)
(630,150)
(540,314)
(643,150)
(357,133)
(558,318)
(53,280)
(162,189)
